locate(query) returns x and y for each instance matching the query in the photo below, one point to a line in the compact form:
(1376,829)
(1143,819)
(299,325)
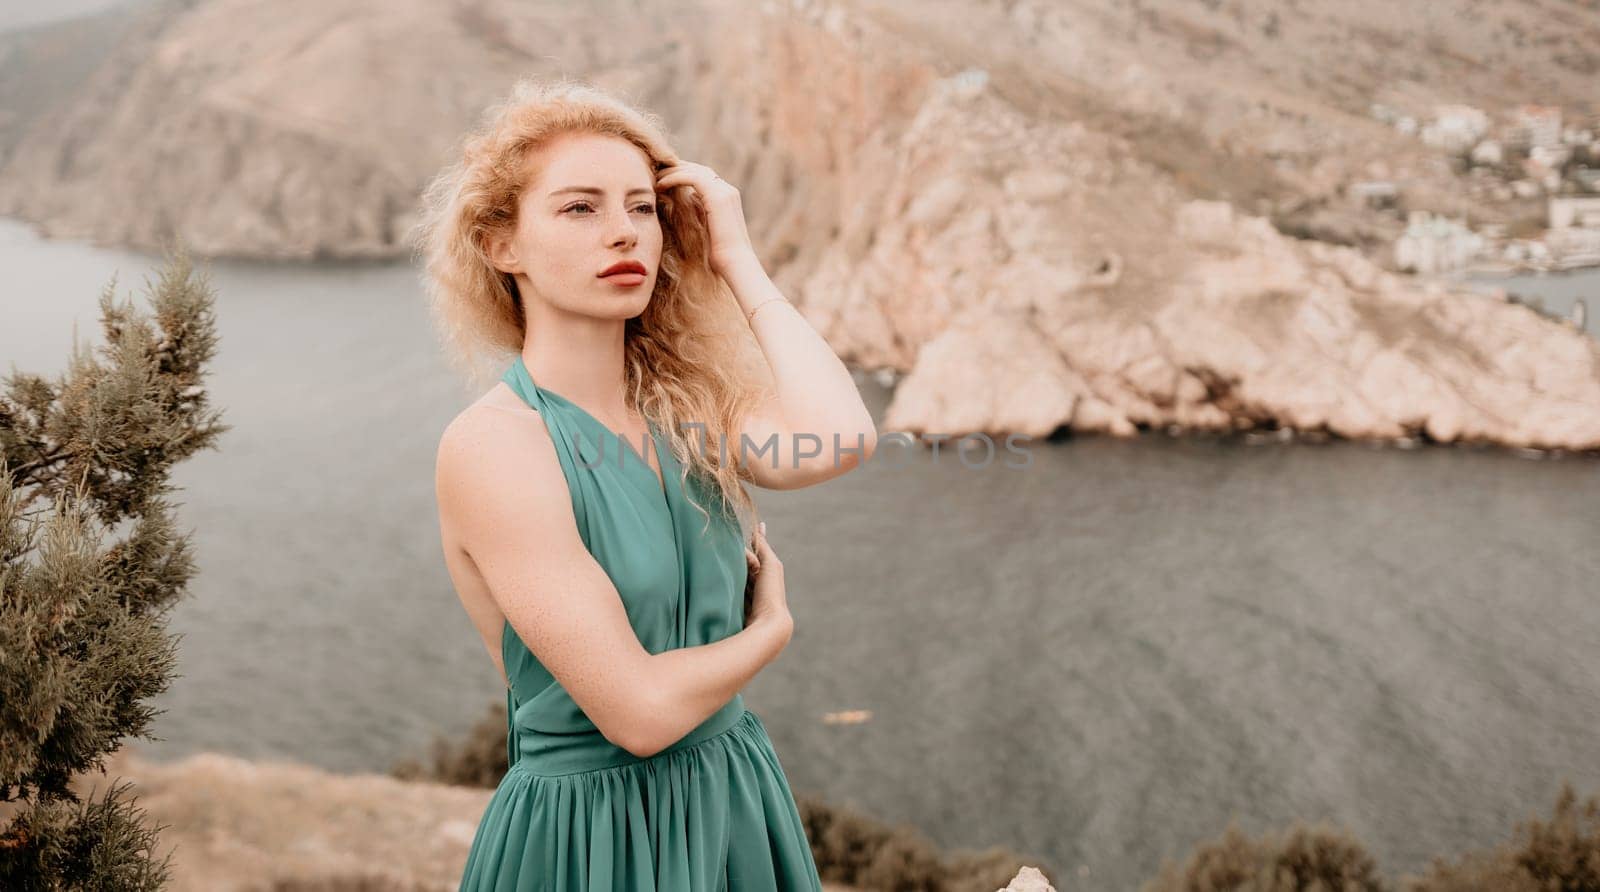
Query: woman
(608,581)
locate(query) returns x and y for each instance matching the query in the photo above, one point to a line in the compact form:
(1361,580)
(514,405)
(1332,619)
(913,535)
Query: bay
(1097,659)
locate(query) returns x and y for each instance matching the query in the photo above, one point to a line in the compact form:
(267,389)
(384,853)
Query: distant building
(1540,124)
(1574,246)
(969,81)
(1456,128)
(1487,152)
(1526,251)
(1433,244)
(1550,157)
(1574,210)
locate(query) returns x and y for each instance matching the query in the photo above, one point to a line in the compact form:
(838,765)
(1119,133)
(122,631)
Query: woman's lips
(625,279)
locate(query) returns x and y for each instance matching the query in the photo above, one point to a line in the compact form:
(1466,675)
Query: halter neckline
(624,442)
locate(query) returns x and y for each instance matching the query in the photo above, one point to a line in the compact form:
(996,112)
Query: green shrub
(1315,858)
(478,760)
(853,849)
(91,561)
(1558,855)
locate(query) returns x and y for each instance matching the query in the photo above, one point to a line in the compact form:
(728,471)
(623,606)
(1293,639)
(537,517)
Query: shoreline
(235,823)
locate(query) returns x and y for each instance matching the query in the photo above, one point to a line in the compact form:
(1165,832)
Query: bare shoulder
(496,448)
(493,421)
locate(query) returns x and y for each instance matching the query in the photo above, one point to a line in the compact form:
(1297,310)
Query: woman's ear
(501,252)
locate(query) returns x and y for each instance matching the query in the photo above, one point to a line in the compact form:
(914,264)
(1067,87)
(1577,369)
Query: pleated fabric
(576,813)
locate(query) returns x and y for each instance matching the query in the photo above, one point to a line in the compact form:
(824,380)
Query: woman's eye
(646,208)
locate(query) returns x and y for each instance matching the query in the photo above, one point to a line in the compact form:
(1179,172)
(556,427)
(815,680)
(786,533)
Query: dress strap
(521,381)
(575,448)
(573,452)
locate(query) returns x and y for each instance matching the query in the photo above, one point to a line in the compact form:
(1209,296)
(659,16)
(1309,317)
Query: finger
(702,178)
(675,176)
(686,167)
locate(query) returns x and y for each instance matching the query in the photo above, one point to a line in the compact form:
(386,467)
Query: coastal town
(1545,171)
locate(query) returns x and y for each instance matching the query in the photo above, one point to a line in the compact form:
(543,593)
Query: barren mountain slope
(1045,213)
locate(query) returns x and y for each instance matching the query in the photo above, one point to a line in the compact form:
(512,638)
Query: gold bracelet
(752,314)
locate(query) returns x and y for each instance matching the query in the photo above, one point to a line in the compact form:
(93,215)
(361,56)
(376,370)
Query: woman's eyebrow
(591,190)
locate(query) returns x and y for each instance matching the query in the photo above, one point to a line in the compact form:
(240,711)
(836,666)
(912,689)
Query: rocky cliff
(1041,214)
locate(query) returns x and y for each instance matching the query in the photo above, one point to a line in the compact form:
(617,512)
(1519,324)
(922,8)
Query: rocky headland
(1032,216)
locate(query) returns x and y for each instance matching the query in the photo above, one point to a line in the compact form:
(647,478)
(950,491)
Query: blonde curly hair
(689,357)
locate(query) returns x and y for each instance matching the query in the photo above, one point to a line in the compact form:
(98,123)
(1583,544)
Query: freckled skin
(563,242)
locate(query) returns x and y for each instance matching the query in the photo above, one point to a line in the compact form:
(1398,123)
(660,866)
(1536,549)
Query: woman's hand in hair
(721,210)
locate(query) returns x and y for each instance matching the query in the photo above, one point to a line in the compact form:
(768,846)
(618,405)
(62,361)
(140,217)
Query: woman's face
(590,205)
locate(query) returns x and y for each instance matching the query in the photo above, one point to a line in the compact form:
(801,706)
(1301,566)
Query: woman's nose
(624,232)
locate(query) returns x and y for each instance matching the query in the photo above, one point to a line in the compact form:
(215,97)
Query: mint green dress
(712,812)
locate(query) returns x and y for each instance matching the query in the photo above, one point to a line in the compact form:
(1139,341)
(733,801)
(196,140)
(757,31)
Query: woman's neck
(583,363)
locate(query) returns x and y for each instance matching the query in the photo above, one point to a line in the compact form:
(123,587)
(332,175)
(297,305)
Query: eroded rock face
(297,129)
(1000,235)
(1033,274)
